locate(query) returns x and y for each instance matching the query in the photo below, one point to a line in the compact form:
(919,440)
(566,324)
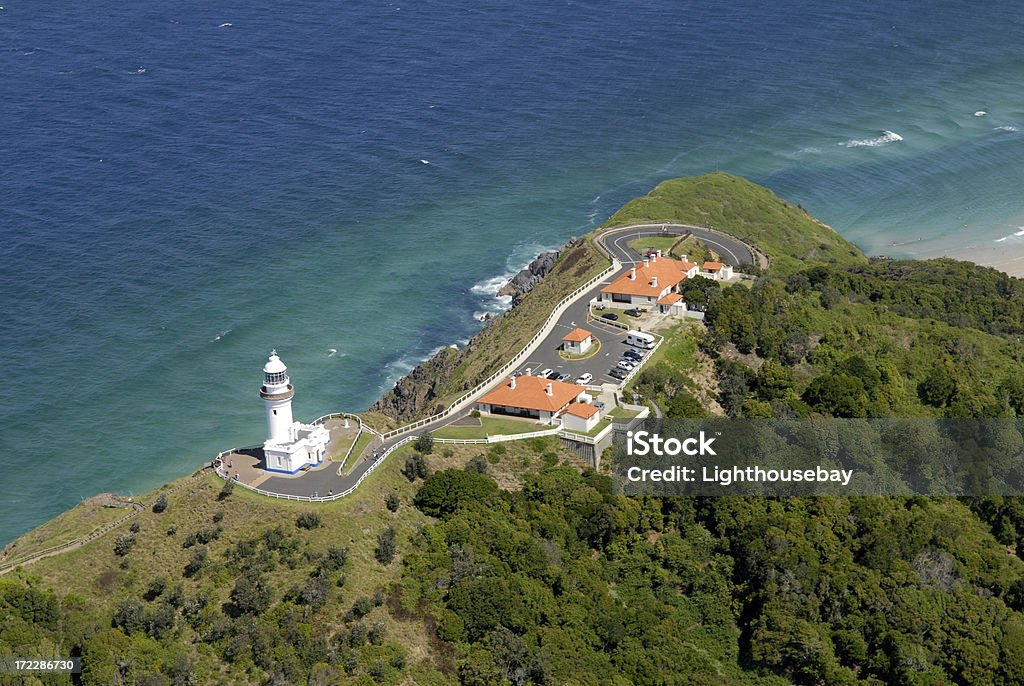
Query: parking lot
(613,345)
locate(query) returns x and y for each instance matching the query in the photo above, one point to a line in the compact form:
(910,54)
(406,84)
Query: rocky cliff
(521,284)
(416,394)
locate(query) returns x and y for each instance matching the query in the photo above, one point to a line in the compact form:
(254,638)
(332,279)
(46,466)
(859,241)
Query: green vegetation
(565,583)
(790,236)
(675,247)
(516,568)
(489,426)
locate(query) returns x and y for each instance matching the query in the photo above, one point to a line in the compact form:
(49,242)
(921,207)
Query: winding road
(615,241)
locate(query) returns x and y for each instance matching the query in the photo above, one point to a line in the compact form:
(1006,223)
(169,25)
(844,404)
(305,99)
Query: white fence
(328,498)
(499,438)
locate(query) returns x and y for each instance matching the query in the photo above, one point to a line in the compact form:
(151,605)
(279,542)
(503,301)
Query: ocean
(185,186)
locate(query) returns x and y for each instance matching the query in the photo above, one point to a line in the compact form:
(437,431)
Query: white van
(584,379)
(640,339)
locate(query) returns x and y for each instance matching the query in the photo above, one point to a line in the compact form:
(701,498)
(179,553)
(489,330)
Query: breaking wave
(886,138)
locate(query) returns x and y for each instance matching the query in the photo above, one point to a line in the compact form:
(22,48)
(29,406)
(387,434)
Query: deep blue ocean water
(184,186)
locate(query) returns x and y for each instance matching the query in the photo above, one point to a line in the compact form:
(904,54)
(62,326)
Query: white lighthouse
(290,445)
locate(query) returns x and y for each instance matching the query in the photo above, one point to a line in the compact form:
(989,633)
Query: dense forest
(514,566)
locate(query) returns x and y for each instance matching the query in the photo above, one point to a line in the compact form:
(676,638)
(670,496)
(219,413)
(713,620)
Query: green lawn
(623,413)
(365,438)
(489,426)
(790,236)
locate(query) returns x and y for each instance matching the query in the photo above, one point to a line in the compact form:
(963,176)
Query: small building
(577,341)
(581,417)
(672,304)
(530,396)
(290,445)
(718,271)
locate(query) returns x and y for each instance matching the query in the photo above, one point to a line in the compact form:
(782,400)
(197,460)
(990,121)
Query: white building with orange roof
(578,341)
(530,396)
(672,304)
(581,417)
(719,271)
(645,283)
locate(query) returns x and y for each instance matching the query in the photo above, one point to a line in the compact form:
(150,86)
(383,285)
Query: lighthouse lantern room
(290,445)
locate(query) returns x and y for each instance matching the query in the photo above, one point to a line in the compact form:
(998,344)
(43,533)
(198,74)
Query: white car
(544,373)
(625,364)
(584,379)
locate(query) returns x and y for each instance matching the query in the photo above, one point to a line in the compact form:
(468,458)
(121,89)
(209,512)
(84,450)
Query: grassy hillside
(790,236)
(510,564)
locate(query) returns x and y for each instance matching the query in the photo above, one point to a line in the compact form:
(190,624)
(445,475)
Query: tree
(938,387)
(392,502)
(226,490)
(160,504)
(840,395)
(443,493)
(252,594)
(424,444)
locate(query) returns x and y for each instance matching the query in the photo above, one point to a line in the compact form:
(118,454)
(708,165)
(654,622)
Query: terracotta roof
(670,299)
(712,266)
(582,410)
(687,266)
(669,272)
(530,394)
(577,335)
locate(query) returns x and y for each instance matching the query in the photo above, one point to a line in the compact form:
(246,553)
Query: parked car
(554,376)
(633,354)
(611,316)
(633,312)
(584,379)
(617,373)
(545,372)
(562,377)
(625,364)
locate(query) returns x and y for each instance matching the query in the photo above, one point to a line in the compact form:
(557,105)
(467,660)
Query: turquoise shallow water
(186,187)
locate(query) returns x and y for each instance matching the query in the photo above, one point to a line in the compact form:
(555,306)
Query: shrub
(160,505)
(196,563)
(226,490)
(358,635)
(335,558)
(218,515)
(392,502)
(385,551)
(123,544)
(415,467)
(377,633)
(251,594)
(156,588)
(308,520)
(478,464)
(172,529)
(135,527)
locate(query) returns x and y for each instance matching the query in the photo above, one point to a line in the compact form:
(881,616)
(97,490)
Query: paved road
(732,251)
(321,482)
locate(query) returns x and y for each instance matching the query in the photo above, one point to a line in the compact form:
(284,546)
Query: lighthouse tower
(290,445)
(277,393)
